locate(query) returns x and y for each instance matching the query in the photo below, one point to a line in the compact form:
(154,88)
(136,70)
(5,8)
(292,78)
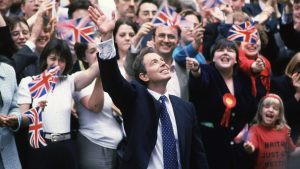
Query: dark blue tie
(168,138)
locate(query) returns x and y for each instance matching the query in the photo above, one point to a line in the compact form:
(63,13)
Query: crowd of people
(219,89)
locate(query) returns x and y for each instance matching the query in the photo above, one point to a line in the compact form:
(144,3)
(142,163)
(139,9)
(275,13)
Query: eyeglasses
(1,101)
(169,36)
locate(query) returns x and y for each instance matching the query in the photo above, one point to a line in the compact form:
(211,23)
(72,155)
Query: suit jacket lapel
(178,113)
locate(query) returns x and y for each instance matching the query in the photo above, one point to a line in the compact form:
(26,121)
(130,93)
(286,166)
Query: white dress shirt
(156,159)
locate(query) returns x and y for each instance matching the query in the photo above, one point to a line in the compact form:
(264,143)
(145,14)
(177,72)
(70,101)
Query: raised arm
(113,82)
(95,101)
(45,7)
(144,30)
(193,65)
(27,55)
(85,77)
(6,43)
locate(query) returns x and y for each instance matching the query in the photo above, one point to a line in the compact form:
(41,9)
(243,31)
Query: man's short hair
(145,1)
(138,64)
(77,4)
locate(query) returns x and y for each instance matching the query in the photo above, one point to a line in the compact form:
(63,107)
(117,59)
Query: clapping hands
(8,120)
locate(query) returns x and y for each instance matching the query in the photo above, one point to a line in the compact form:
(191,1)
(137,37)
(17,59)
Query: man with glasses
(165,40)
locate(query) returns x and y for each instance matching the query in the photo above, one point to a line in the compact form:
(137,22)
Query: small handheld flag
(35,131)
(243,134)
(167,16)
(80,30)
(44,82)
(245,32)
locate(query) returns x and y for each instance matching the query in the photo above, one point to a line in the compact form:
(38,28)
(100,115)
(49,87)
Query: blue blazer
(141,115)
(8,88)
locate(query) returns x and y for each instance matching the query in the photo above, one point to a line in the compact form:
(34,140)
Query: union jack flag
(167,16)
(44,82)
(80,30)
(245,32)
(207,4)
(35,131)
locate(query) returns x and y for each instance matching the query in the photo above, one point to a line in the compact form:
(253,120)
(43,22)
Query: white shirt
(173,86)
(57,113)
(156,159)
(100,128)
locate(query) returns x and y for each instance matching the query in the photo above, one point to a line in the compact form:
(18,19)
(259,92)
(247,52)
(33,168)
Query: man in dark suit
(161,129)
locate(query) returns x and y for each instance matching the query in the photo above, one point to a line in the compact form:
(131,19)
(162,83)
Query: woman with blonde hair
(269,136)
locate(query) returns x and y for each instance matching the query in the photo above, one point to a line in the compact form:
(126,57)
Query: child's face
(270,113)
(251,49)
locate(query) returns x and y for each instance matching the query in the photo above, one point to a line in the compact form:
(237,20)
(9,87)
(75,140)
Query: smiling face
(124,37)
(157,70)
(270,111)
(166,39)
(43,38)
(20,34)
(225,58)
(250,49)
(296,12)
(186,33)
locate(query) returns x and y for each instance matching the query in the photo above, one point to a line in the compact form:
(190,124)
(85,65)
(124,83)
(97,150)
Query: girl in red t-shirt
(269,136)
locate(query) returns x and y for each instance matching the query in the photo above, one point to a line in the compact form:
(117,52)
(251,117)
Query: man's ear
(144,77)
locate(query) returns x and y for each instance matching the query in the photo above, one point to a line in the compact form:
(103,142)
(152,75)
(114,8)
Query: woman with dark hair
(21,45)
(59,152)
(123,33)
(99,132)
(222,97)
(14,33)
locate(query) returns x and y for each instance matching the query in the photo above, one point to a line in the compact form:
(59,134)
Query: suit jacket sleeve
(115,84)
(23,58)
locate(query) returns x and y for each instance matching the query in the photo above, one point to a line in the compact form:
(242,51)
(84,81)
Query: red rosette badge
(229,102)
